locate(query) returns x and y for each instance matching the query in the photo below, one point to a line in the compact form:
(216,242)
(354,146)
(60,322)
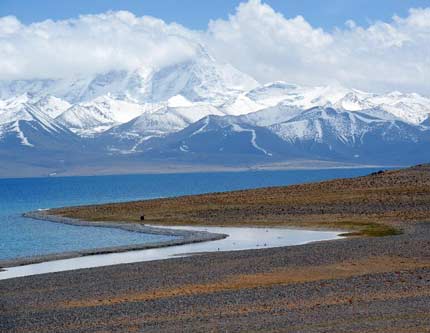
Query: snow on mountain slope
(49,105)
(178,101)
(379,112)
(291,95)
(13,129)
(206,109)
(320,124)
(79,89)
(318,133)
(52,106)
(26,125)
(213,137)
(13,89)
(344,135)
(132,119)
(167,119)
(272,93)
(15,101)
(272,115)
(259,98)
(354,101)
(19,109)
(240,105)
(411,108)
(109,99)
(302,97)
(87,119)
(200,79)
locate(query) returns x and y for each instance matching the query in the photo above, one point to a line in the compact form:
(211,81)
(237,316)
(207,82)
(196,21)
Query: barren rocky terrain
(357,284)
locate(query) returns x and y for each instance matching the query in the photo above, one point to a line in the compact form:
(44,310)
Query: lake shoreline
(378,284)
(185,237)
(348,279)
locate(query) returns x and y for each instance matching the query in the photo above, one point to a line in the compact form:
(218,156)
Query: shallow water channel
(240,238)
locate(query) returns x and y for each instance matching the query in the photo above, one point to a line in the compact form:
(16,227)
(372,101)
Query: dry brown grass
(373,205)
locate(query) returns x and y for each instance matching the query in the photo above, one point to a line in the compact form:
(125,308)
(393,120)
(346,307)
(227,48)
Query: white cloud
(267,45)
(89,44)
(383,56)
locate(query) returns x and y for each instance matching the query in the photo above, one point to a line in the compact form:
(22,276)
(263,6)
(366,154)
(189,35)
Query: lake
(21,237)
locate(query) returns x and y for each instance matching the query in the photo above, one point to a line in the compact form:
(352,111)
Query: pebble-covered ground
(350,285)
(358,284)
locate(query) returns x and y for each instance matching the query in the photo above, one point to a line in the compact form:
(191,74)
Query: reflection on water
(239,239)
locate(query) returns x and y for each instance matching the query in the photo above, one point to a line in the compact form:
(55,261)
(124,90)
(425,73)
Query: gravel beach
(357,284)
(351,285)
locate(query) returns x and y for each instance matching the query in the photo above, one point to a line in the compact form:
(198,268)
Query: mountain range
(203,114)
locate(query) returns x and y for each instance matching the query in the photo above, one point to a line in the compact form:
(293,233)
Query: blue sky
(196,14)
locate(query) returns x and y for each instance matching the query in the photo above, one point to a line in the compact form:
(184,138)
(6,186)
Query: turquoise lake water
(21,237)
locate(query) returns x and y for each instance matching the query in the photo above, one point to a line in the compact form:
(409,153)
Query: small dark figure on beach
(380,172)
(142,217)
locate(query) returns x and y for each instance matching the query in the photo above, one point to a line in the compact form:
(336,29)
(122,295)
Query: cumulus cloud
(383,56)
(89,44)
(256,39)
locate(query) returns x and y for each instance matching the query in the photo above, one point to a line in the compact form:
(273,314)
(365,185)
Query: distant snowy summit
(202,112)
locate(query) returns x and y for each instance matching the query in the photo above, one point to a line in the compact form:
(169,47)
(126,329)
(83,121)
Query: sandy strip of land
(181,237)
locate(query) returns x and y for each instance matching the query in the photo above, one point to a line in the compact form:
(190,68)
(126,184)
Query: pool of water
(239,239)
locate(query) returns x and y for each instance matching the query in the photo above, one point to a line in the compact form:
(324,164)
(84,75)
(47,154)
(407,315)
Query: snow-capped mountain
(202,111)
(353,135)
(52,106)
(199,79)
(25,125)
(90,118)
(220,139)
(318,133)
(168,117)
(271,94)
(412,108)
(165,120)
